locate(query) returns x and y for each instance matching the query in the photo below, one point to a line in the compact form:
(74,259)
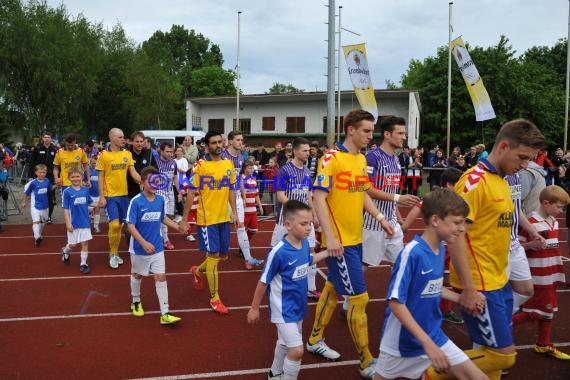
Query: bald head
(117,139)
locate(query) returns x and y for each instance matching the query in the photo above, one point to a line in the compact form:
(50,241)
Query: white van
(173,137)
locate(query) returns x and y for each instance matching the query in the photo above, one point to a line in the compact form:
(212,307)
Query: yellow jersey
(491,218)
(213,180)
(343,175)
(67,159)
(115,165)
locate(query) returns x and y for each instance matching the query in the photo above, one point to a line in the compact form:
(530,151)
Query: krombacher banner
(357,63)
(477,91)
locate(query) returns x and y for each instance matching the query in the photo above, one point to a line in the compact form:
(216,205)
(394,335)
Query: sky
(285,40)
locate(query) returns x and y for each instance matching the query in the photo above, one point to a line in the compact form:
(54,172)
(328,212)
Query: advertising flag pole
(449,82)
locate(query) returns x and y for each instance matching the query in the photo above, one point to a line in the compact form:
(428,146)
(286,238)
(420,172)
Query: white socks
(291,369)
(96,219)
(136,289)
(162,293)
(312,277)
(84,257)
(37,229)
(278,358)
(164,230)
(243,242)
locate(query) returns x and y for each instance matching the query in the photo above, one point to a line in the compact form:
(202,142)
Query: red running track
(56,323)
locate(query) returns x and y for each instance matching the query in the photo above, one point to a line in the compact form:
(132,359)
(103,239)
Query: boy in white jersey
(76,202)
(411,342)
(144,217)
(284,278)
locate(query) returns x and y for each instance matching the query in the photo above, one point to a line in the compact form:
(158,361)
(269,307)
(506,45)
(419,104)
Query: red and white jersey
(545,264)
(196,197)
(251,192)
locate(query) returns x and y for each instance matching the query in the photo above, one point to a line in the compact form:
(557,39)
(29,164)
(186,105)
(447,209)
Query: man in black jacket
(44,153)
(142,157)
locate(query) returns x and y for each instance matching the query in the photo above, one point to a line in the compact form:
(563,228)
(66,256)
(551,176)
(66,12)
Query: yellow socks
(358,326)
(114,236)
(212,276)
(323,313)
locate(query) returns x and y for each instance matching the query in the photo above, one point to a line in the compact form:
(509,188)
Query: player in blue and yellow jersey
(113,166)
(340,196)
(69,157)
(214,178)
(479,260)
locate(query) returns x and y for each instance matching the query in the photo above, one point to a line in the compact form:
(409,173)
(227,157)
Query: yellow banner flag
(355,56)
(477,91)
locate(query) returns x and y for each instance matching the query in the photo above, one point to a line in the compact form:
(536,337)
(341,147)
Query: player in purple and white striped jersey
(385,175)
(293,182)
(234,153)
(167,166)
(518,269)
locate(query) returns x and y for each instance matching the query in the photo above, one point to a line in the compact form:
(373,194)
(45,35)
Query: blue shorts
(214,238)
(117,208)
(345,272)
(493,327)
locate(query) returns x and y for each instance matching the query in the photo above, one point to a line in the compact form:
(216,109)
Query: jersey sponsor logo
(301,271)
(43,190)
(433,288)
(505,220)
(516,191)
(151,216)
(80,201)
(94,178)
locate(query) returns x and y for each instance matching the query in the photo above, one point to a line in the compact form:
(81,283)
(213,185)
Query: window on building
(295,124)
(268,123)
(244,126)
(216,125)
(196,123)
(341,129)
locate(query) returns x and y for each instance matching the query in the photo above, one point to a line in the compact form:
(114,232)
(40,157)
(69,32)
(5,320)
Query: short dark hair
(354,117)
(234,133)
(150,140)
(450,175)
(137,134)
(211,134)
(388,123)
(521,132)
(146,172)
(291,207)
(299,141)
(443,202)
(165,145)
(70,137)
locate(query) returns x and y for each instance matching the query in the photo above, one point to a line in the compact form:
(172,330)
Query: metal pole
(567,84)
(449,82)
(236,126)
(330,75)
(338,75)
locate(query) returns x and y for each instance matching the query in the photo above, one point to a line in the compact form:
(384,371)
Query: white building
(267,118)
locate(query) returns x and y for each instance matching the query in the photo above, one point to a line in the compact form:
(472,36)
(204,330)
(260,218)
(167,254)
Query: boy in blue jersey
(36,192)
(145,214)
(94,192)
(76,202)
(411,342)
(284,278)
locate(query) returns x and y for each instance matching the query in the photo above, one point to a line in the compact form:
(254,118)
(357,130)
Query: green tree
(280,88)
(49,64)
(212,81)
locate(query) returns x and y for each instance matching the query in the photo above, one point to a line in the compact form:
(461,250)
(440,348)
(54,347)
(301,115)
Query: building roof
(303,96)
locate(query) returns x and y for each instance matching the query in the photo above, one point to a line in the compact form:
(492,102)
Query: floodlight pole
(330,75)
(449,82)
(236,126)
